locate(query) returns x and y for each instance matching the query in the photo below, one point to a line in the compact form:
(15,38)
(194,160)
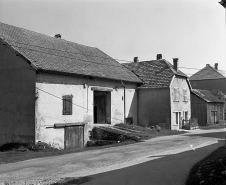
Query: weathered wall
(209,84)
(199,109)
(219,107)
(181,105)
(49,107)
(153,106)
(17,97)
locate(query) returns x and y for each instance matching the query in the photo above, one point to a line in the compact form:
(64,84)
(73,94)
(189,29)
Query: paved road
(163,160)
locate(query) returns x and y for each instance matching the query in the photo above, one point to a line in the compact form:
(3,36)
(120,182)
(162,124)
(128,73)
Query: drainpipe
(124,101)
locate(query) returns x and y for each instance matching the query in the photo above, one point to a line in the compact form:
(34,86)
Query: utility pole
(223,3)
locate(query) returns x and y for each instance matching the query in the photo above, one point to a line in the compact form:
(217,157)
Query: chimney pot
(135,59)
(216,66)
(175,63)
(159,56)
(57,36)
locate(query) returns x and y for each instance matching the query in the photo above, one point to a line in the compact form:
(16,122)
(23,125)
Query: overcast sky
(191,30)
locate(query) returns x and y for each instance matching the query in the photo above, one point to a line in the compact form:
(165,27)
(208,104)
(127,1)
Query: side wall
(180,106)
(209,84)
(198,109)
(153,106)
(17,98)
(51,88)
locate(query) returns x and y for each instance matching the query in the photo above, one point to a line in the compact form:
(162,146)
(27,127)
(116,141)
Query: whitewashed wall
(181,105)
(49,104)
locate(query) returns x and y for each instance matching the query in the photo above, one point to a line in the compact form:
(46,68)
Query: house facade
(164,96)
(56,91)
(206,107)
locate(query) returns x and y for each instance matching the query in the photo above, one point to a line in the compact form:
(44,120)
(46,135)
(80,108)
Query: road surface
(162,160)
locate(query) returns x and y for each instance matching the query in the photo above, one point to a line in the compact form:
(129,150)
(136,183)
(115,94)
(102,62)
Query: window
(185,95)
(67,104)
(176,94)
(177,117)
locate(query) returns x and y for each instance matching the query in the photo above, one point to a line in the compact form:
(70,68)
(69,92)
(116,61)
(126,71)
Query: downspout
(124,101)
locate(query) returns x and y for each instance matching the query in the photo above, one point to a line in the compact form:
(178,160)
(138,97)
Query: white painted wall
(49,107)
(181,105)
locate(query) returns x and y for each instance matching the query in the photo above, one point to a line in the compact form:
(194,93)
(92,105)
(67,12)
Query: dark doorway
(102,107)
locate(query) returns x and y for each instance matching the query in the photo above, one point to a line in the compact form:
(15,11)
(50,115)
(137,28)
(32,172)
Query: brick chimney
(58,36)
(216,66)
(159,56)
(135,59)
(175,63)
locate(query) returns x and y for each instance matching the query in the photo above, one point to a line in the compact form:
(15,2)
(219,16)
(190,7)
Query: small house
(164,96)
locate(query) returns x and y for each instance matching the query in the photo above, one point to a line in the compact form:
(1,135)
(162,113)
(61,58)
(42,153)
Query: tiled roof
(208,96)
(154,74)
(208,72)
(55,54)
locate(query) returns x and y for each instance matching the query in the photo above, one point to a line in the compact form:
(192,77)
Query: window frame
(176,97)
(67,101)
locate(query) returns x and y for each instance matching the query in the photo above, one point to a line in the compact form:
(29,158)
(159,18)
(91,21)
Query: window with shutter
(185,95)
(67,104)
(176,94)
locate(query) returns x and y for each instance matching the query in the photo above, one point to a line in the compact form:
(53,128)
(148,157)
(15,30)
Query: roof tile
(55,54)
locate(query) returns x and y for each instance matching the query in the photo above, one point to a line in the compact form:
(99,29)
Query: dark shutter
(67,105)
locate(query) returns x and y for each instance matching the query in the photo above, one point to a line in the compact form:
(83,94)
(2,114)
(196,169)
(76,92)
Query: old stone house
(55,91)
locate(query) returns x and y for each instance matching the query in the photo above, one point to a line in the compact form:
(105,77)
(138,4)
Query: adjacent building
(209,78)
(206,107)
(164,96)
(55,91)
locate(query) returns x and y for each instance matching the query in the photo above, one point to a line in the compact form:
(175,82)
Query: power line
(72,102)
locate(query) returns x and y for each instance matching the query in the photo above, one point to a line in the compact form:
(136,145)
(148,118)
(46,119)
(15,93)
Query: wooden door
(74,137)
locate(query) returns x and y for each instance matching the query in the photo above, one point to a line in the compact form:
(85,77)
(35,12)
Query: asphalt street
(162,160)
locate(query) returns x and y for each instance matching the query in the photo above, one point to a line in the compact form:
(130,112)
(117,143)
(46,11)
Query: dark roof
(55,54)
(208,96)
(155,73)
(208,72)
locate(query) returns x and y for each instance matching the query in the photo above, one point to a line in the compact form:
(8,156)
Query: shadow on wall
(133,111)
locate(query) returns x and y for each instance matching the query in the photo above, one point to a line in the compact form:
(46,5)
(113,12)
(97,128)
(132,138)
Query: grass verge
(209,171)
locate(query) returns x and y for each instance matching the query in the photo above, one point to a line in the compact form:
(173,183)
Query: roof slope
(208,72)
(155,73)
(208,96)
(55,54)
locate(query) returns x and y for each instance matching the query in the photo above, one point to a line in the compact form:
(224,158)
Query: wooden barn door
(74,137)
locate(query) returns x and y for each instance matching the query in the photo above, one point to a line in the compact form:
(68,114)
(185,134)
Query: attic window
(67,104)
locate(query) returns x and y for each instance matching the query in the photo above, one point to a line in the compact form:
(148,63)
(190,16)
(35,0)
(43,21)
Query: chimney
(207,65)
(135,59)
(216,66)
(159,56)
(175,63)
(57,36)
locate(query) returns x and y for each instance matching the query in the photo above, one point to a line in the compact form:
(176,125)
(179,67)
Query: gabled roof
(208,72)
(207,96)
(155,73)
(58,55)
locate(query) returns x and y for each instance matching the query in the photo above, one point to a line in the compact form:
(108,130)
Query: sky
(192,30)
